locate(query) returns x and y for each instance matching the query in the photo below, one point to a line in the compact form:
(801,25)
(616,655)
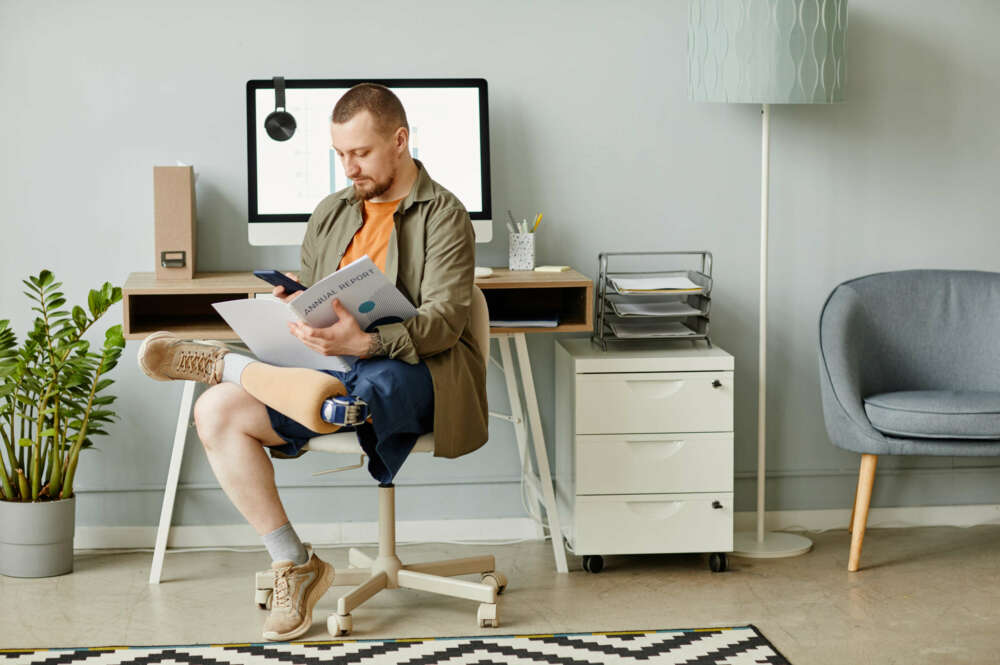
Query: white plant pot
(36,539)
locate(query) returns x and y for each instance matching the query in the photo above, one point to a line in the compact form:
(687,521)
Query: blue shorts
(400,397)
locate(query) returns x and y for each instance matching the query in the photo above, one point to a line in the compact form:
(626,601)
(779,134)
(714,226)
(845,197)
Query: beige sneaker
(165,357)
(297,589)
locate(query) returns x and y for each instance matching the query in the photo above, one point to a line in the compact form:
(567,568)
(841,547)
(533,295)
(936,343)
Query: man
(422,374)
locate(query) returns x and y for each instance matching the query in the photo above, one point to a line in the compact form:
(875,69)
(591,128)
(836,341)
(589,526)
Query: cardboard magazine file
(174,219)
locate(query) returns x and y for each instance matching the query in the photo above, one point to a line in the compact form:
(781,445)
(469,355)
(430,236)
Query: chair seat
(936,414)
(347,443)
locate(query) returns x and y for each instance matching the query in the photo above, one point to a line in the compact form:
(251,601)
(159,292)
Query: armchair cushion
(936,414)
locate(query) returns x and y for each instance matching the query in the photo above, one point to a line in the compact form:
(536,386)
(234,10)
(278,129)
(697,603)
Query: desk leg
(520,431)
(541,456)
(170,491)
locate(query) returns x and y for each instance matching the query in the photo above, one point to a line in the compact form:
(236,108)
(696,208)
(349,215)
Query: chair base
(369,576)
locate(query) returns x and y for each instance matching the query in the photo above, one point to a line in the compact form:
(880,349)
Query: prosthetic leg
(317,400)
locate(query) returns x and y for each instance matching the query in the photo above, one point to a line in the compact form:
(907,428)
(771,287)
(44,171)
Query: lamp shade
(767,51)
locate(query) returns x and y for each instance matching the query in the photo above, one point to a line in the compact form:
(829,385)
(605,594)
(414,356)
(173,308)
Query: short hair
(378,100)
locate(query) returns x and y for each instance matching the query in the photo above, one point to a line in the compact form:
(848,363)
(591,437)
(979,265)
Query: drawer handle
(716,384)
(654,388)
(655,510)
(662,449)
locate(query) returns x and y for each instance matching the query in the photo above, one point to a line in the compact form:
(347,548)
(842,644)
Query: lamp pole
(761,545)
(765,164)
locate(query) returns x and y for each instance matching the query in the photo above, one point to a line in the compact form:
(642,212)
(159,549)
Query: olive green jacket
(430,259)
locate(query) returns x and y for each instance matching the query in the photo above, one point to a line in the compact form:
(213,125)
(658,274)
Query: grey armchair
(910,365)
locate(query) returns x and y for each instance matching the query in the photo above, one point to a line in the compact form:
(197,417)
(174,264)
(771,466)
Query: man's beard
(377,189)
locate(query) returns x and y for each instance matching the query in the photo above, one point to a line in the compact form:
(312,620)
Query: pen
(538,221)
(511,216)
(510,227)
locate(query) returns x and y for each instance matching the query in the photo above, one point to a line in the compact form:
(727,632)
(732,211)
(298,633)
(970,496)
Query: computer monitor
(449,134)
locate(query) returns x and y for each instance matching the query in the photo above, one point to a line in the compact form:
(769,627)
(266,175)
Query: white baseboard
(878,518)
(512,528)
(336,533)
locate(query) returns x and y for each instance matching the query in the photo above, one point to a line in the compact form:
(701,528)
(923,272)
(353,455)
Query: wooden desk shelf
(185,306)
(524,294)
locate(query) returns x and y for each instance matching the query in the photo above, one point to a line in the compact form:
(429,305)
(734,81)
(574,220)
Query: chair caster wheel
(339,624)
(487,616)
(263,598)
(495,578)
(717,562)
(593,563)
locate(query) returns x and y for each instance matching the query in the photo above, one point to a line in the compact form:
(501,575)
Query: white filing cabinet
(644,450)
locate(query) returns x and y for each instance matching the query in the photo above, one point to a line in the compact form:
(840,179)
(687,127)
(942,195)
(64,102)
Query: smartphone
(279,279)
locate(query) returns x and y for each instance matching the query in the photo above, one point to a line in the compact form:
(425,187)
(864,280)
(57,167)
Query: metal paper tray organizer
(660,315)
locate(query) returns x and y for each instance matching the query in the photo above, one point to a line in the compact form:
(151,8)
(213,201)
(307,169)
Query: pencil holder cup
(522,251)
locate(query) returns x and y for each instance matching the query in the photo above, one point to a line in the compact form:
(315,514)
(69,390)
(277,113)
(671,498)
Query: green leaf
(79,317)
(45,277)
(103,383)
(50,431)
(106,292)
(116,294)
(99,401)
(58,302)
(25,442)
(94,303)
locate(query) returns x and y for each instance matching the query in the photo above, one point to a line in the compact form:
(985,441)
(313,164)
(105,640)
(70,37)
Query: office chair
(386,571)
(910,365)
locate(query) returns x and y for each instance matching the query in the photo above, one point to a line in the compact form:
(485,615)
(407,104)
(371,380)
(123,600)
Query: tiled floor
(926,595)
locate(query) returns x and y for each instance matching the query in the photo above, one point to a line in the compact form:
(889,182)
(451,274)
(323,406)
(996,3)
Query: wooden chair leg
(850,524)
(859,520)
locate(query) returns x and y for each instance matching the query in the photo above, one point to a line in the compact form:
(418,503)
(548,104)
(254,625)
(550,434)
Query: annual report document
(363,290)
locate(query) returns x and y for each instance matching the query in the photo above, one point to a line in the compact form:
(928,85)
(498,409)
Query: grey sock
(283,544)
(234,365)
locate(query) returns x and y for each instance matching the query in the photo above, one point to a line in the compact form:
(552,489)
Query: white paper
(654,308)
(641,328)
(525,323)
(360,286)
(263,327)
(655,284)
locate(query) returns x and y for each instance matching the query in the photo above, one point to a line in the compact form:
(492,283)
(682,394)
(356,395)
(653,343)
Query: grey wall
(590,123)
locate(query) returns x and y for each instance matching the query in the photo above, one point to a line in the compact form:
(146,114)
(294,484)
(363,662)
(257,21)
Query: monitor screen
(449,134)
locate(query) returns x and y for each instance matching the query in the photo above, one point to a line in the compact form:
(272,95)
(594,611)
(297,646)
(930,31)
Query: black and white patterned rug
(703,646)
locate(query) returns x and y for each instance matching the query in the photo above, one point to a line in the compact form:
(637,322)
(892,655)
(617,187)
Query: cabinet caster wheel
(487,616)
(717,562)
(263,598)
(495,578)
(339,624)
(593,563)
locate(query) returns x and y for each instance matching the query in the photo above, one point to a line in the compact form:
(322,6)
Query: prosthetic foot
(345,410)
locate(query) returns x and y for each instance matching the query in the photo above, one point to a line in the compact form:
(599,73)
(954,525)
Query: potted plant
(52,404)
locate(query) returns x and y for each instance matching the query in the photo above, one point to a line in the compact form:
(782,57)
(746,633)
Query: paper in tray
(659,284)
(648,328)
(626,307)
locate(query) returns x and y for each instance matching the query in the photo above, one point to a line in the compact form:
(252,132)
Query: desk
(184,307)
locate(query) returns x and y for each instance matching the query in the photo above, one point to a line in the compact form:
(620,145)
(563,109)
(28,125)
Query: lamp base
(775,545)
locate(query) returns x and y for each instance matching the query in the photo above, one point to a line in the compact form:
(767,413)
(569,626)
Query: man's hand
(343,338)
(279,291)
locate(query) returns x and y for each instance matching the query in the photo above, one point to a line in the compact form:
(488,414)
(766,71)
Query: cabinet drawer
(654,402)
(651,523)
(649,463)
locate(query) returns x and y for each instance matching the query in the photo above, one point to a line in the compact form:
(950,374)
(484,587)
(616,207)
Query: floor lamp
(766,52)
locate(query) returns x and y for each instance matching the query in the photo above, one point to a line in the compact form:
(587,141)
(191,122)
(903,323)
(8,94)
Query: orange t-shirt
(373,236)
